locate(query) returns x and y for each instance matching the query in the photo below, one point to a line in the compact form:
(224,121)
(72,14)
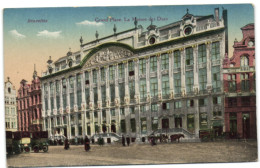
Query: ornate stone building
(162,79)
(10,106)
(29,105)
(239,86)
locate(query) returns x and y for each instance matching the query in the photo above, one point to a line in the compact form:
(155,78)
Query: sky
(27,43)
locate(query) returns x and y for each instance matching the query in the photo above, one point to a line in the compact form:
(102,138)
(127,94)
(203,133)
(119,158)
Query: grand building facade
(165,79)
(239,86)
(29,105)
(10,107)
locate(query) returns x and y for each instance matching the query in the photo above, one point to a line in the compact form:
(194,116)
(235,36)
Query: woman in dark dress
(66,144)
(87,144)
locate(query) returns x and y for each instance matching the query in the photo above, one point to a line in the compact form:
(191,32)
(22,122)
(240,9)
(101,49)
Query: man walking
(123,140)
(128,140)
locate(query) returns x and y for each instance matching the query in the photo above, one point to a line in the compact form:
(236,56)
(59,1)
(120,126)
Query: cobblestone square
(135,154)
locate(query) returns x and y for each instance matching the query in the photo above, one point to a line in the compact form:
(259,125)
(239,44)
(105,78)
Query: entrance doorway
(246,126)
(165,123)
(113,128)
(178,122)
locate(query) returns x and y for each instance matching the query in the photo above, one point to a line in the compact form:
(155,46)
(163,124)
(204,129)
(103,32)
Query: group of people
(86,144)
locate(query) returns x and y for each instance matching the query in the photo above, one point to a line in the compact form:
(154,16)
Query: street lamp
(244,127)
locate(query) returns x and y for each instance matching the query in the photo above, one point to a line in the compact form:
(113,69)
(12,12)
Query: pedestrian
(123,140)
(101,141)
(66,144)
(128,140)
(153,140)
(87,144)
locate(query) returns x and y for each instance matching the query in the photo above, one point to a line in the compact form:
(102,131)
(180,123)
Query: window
(215,51)
(232,83)
(189,81)
(202,53)
(51,88)
(142,66)
(153,64)
(112,93)
(121,70)
(132,89)
(202,102)
(165,61)
(122,126)
(217,113)
(154,107)
(177,104)
(165,106)
(95,114)
(142,108)
(232,102)
(177,83)
(143,125)
(121,91)
(95,95)
(104,114)
(112,112)
(189,56)
(133,128)
(86,78)
(88,115)
(64,100)
(244,82)
(58,101)
(245,101)
(177,59)
(216,100)
(111,72)
(94,76)
(87,95)
(103,74)
(190,122)
(190,103)
(79,81)
(103,93)
(79,98)
(132,110)
(154,123)
(216,83)
(122,111)
(57,87)
(165,85)
(244,61)
(203,121)
(203,79)
(131,68)
(153,87)
(142,89)
(71,82)
(71,100)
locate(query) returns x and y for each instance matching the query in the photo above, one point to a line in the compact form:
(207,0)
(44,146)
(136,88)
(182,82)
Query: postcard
(130,85)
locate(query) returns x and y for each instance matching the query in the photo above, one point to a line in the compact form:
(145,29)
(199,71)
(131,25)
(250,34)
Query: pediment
(108,54)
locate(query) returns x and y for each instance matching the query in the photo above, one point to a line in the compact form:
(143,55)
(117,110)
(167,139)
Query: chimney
(217,14)
(225,18)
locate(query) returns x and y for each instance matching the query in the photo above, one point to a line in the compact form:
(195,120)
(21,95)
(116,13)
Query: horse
(174,137)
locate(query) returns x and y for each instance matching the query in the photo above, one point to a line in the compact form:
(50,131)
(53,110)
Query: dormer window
(9,90)
(152,40)
(187,30)
(244,61)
